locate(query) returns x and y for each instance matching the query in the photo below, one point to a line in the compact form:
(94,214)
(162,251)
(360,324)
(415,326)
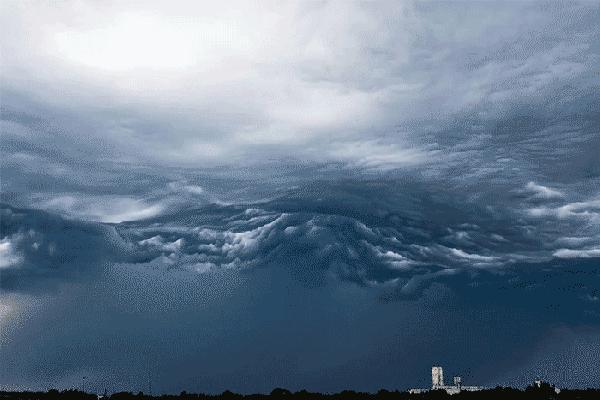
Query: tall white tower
(437,377)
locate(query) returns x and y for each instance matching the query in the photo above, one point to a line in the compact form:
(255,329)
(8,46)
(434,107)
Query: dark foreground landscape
(536,393)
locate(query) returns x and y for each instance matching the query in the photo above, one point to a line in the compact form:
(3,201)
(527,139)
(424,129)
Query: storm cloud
(244,196)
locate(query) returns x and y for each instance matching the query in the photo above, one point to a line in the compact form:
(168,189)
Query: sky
(313,195)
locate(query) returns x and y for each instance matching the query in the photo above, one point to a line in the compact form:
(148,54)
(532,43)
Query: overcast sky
(400,170)
(361,83)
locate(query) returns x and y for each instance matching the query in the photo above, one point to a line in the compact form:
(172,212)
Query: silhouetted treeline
(545,392)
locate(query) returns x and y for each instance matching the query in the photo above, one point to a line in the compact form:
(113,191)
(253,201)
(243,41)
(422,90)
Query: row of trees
(536,392)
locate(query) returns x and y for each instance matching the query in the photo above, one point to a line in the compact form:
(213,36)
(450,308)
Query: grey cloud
(543,192)
(587,211)
(361,90)
(102,208)
(366,243)
(44,250)
(10,258)
(300,258)
(580,253)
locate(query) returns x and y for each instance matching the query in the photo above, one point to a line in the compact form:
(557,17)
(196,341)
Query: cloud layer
(364,84)
(316,187)
(282,281)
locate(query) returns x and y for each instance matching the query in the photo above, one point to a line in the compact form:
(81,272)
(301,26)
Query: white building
(437,383)
(437,377)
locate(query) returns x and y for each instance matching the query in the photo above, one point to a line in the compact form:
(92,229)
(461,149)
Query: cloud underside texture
(311,286)
(303,286)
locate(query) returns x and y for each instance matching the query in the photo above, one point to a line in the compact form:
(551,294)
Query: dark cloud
(44,250)
(190,296)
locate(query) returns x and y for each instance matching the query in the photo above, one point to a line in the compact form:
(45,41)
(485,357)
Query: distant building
(437,383)
(437,377)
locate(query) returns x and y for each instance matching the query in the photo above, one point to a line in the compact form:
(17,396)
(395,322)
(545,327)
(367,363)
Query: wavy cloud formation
(328,263)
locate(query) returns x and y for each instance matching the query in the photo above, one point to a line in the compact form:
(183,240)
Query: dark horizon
(537,391)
